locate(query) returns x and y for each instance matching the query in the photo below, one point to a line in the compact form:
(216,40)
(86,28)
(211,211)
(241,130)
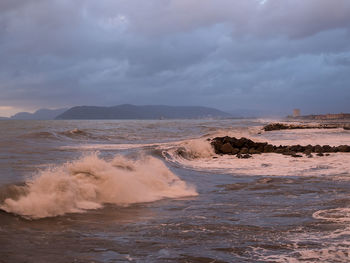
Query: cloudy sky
(270,56)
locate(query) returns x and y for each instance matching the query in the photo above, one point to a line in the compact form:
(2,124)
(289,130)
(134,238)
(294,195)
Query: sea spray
(191,149)
(90,182)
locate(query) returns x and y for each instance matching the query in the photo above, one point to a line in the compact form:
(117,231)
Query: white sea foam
(332,137)
(270,164)
(333,245)
(336,164)
(198,154)
(117,146)
(333,253)
(337,215)
(90,182)
(197,148)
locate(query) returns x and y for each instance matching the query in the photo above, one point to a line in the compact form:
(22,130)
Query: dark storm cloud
(272,55)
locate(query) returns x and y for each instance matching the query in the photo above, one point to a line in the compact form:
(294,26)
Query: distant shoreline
(320,117)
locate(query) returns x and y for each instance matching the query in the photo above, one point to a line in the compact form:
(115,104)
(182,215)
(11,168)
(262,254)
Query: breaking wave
(199,155)
(75,133)
(90,182)
(192,149)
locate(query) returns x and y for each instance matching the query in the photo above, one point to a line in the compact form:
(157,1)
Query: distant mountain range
(42,114)
(128,111)
(125,111)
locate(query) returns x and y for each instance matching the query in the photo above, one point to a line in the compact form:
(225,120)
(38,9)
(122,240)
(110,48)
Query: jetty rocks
(244,148)
(283,126)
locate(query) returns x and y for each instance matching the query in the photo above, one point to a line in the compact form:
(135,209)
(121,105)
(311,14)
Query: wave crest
(90,182)
(189,150)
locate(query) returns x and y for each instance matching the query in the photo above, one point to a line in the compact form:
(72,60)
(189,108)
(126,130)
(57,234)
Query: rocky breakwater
(283,126)
(245,148)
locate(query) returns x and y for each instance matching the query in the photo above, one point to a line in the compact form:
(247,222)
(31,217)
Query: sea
(155,191)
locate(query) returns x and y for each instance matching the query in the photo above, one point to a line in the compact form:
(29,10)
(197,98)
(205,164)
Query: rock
(261,147)
(226,139)
(243,156)
(334,149)
(288,152)
(318,149)
(308,148)
(243,146)
(235,151)
(246,156)
(327,148)
(308,152)
(282,126)
(240,142)
(230,140)
(244,150)
(216,143)
(344,148)
(297,148)
(226,148)
(250,144)
(275,127)
(279,150)
(296,155)
(252,151)
(268,148)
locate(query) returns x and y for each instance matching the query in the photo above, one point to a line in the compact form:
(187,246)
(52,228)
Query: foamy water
(335,244)
(155,191)
(91,182)
(199,155)
(272,164)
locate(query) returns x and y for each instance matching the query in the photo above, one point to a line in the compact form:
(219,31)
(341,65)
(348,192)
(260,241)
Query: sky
(266,56)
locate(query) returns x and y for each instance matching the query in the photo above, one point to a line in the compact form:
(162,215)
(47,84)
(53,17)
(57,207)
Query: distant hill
(4,118)
(42,114)
(128,111)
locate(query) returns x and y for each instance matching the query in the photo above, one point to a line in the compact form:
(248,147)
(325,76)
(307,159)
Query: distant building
(296,112)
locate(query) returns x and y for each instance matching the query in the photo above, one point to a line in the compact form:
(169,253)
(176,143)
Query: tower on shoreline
(296,112)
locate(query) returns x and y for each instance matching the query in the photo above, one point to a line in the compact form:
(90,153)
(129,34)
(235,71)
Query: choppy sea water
(117,191)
